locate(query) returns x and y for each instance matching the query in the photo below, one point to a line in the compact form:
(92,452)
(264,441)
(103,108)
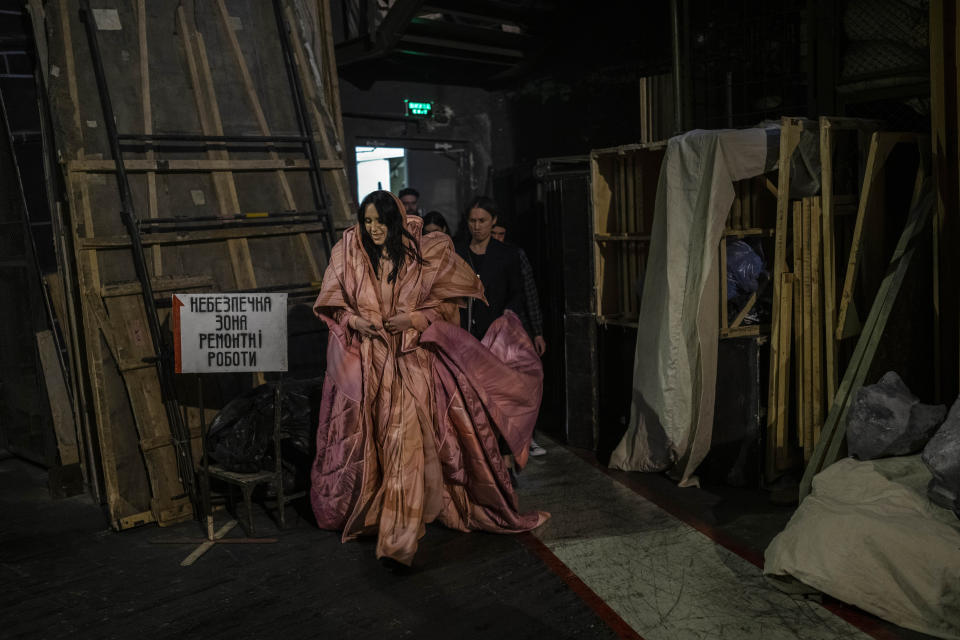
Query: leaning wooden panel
(196,60)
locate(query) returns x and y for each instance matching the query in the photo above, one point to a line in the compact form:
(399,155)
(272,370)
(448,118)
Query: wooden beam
(254,101)
(341,199)
(199,235)
(806,427)
(798,324)
(64,426)
(827,148)
(790,131)
(817,326)
(745,311)
(881,144)
(162,285)
(210,123)
(147,107)
(778,438)
(198,165)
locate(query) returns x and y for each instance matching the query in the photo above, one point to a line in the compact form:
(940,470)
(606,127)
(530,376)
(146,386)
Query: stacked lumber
(799,320)
(830,260)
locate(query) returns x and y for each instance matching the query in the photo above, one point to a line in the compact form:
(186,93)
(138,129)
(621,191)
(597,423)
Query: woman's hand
(398,323)
(363,326)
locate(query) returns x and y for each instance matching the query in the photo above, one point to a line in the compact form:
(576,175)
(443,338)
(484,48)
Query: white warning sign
(222,332)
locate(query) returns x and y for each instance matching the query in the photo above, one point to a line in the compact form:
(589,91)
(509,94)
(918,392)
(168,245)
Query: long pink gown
(409,423)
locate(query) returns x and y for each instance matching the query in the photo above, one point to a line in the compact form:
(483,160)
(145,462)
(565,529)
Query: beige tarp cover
(868,535)
(675,365)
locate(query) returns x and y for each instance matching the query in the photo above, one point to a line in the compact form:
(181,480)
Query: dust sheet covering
(675,365)
(868,535)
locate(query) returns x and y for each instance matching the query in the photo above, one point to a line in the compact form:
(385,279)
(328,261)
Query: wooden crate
(624,191)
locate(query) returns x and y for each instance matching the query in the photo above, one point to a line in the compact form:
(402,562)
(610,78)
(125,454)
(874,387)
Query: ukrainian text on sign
(216,332)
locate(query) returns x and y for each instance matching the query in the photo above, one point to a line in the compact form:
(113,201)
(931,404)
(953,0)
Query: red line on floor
(578,586)
(862,620)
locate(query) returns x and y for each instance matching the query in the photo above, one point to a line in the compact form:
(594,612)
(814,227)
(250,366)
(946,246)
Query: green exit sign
(418,108)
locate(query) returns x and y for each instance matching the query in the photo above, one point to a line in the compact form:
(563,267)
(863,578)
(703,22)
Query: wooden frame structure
(624,190)
(811,308)
(231,246)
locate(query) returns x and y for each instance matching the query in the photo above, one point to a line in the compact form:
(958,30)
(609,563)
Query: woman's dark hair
(435,217)
(485,203)
(386,205)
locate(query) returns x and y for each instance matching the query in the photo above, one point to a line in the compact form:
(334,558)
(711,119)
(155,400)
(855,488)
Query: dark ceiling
(498,43)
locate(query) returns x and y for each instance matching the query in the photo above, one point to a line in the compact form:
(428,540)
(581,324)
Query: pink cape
(408,424)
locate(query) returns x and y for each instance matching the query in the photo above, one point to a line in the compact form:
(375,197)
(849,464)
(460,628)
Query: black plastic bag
(241,435)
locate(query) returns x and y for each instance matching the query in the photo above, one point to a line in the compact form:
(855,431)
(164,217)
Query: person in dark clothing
(498,267)
(496,264)
(533,317)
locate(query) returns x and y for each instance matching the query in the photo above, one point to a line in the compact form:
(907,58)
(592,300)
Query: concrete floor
(624,555)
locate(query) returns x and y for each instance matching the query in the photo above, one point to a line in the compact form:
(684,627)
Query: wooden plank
(335,181)
(881,144)
(798,333)
(207,165)
(254,100)
(816,312)
(834,431)
(827,148)
(162,285)
(199,236)
(779,438)
(749,233)
(127,321)
(807,295)
(751,330)
(329,64)
(209,115)
(156,252)
(61,411)
(789,139)
(124,477)
(747,307)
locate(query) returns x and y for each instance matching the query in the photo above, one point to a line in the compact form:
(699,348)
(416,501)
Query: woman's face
(480,222)
(376,229)
(430,228)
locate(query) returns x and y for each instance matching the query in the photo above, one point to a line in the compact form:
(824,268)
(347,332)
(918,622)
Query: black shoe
(394,566)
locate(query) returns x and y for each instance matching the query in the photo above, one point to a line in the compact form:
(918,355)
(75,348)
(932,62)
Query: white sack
(868,535)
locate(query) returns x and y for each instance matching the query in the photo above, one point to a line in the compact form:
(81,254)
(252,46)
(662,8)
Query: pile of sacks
(887,420)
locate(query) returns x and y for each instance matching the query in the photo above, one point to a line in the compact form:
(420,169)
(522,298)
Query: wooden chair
(248,482)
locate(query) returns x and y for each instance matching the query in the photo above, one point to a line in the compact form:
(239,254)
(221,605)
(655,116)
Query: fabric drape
(675,362)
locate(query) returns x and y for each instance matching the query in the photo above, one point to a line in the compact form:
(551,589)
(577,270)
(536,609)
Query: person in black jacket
(497,265)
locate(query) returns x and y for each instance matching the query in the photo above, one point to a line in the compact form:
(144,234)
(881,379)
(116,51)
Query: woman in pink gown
(412,405)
